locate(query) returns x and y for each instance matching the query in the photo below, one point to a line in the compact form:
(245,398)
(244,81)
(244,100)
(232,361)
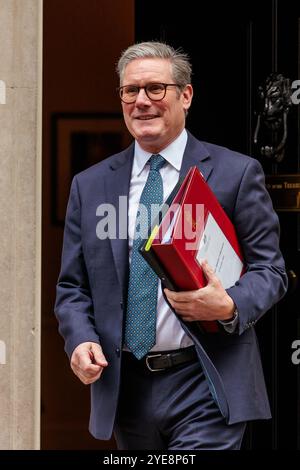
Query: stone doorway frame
(20,235)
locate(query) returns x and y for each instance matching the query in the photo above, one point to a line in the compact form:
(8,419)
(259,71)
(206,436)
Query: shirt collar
(173,154)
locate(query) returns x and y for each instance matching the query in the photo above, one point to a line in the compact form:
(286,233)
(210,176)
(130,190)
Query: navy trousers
(170,410)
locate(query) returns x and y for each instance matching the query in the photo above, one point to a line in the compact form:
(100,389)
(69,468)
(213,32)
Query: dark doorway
(234,46)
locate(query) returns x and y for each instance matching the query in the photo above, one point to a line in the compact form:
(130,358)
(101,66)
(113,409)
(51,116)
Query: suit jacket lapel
(117,185)
(196,154)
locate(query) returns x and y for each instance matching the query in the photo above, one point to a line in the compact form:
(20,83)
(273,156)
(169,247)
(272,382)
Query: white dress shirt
(169,333)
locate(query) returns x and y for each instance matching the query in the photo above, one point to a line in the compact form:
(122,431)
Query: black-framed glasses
(154,91)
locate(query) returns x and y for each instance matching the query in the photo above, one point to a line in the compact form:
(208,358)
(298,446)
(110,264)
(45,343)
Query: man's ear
(187,96)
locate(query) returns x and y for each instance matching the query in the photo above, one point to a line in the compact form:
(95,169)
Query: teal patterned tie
(140,326)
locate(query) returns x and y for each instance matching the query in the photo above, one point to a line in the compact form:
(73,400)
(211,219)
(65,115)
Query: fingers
(184,303)
(97,355)
(185,296)
(208,272)
(88,361)
(85,379)
(207,303)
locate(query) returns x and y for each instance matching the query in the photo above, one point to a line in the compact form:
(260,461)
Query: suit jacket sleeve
(265,280)
(74,306)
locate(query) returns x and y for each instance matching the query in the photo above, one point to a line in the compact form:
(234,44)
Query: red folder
(193,225)
(193,228)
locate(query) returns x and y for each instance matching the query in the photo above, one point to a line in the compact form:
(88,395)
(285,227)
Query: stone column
(20,215)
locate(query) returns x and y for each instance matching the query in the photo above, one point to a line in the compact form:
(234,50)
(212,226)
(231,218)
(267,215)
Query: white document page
(216,249)
(169,232)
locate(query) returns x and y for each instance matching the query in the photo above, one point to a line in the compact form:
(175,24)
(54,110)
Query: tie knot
(156,162)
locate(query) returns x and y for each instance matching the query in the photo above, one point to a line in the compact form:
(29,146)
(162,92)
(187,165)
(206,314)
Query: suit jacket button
(118,352)
(121,305)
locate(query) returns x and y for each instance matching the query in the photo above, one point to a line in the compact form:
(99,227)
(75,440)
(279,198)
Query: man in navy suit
(190,390)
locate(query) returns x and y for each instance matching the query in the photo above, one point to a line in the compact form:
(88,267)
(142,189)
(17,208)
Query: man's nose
(142,97)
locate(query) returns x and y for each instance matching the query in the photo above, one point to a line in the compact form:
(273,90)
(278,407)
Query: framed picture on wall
(78,142)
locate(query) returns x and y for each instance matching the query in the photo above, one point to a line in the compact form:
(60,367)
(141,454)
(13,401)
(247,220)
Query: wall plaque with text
(284,191)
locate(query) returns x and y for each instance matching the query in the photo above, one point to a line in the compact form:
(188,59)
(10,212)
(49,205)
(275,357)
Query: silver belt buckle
(148,365)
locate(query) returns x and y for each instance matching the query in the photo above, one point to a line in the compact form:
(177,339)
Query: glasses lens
(129,93)
(156,91)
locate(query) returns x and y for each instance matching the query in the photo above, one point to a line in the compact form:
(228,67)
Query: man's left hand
(209,303)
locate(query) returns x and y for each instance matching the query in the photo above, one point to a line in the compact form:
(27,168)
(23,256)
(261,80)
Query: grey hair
(181,66)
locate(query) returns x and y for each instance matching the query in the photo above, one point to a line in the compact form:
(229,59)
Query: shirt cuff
(230,326)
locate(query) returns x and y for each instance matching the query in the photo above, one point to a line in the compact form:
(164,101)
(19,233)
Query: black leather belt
(162,360)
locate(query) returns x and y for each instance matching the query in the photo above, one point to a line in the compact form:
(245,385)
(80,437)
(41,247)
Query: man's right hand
(88,362)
